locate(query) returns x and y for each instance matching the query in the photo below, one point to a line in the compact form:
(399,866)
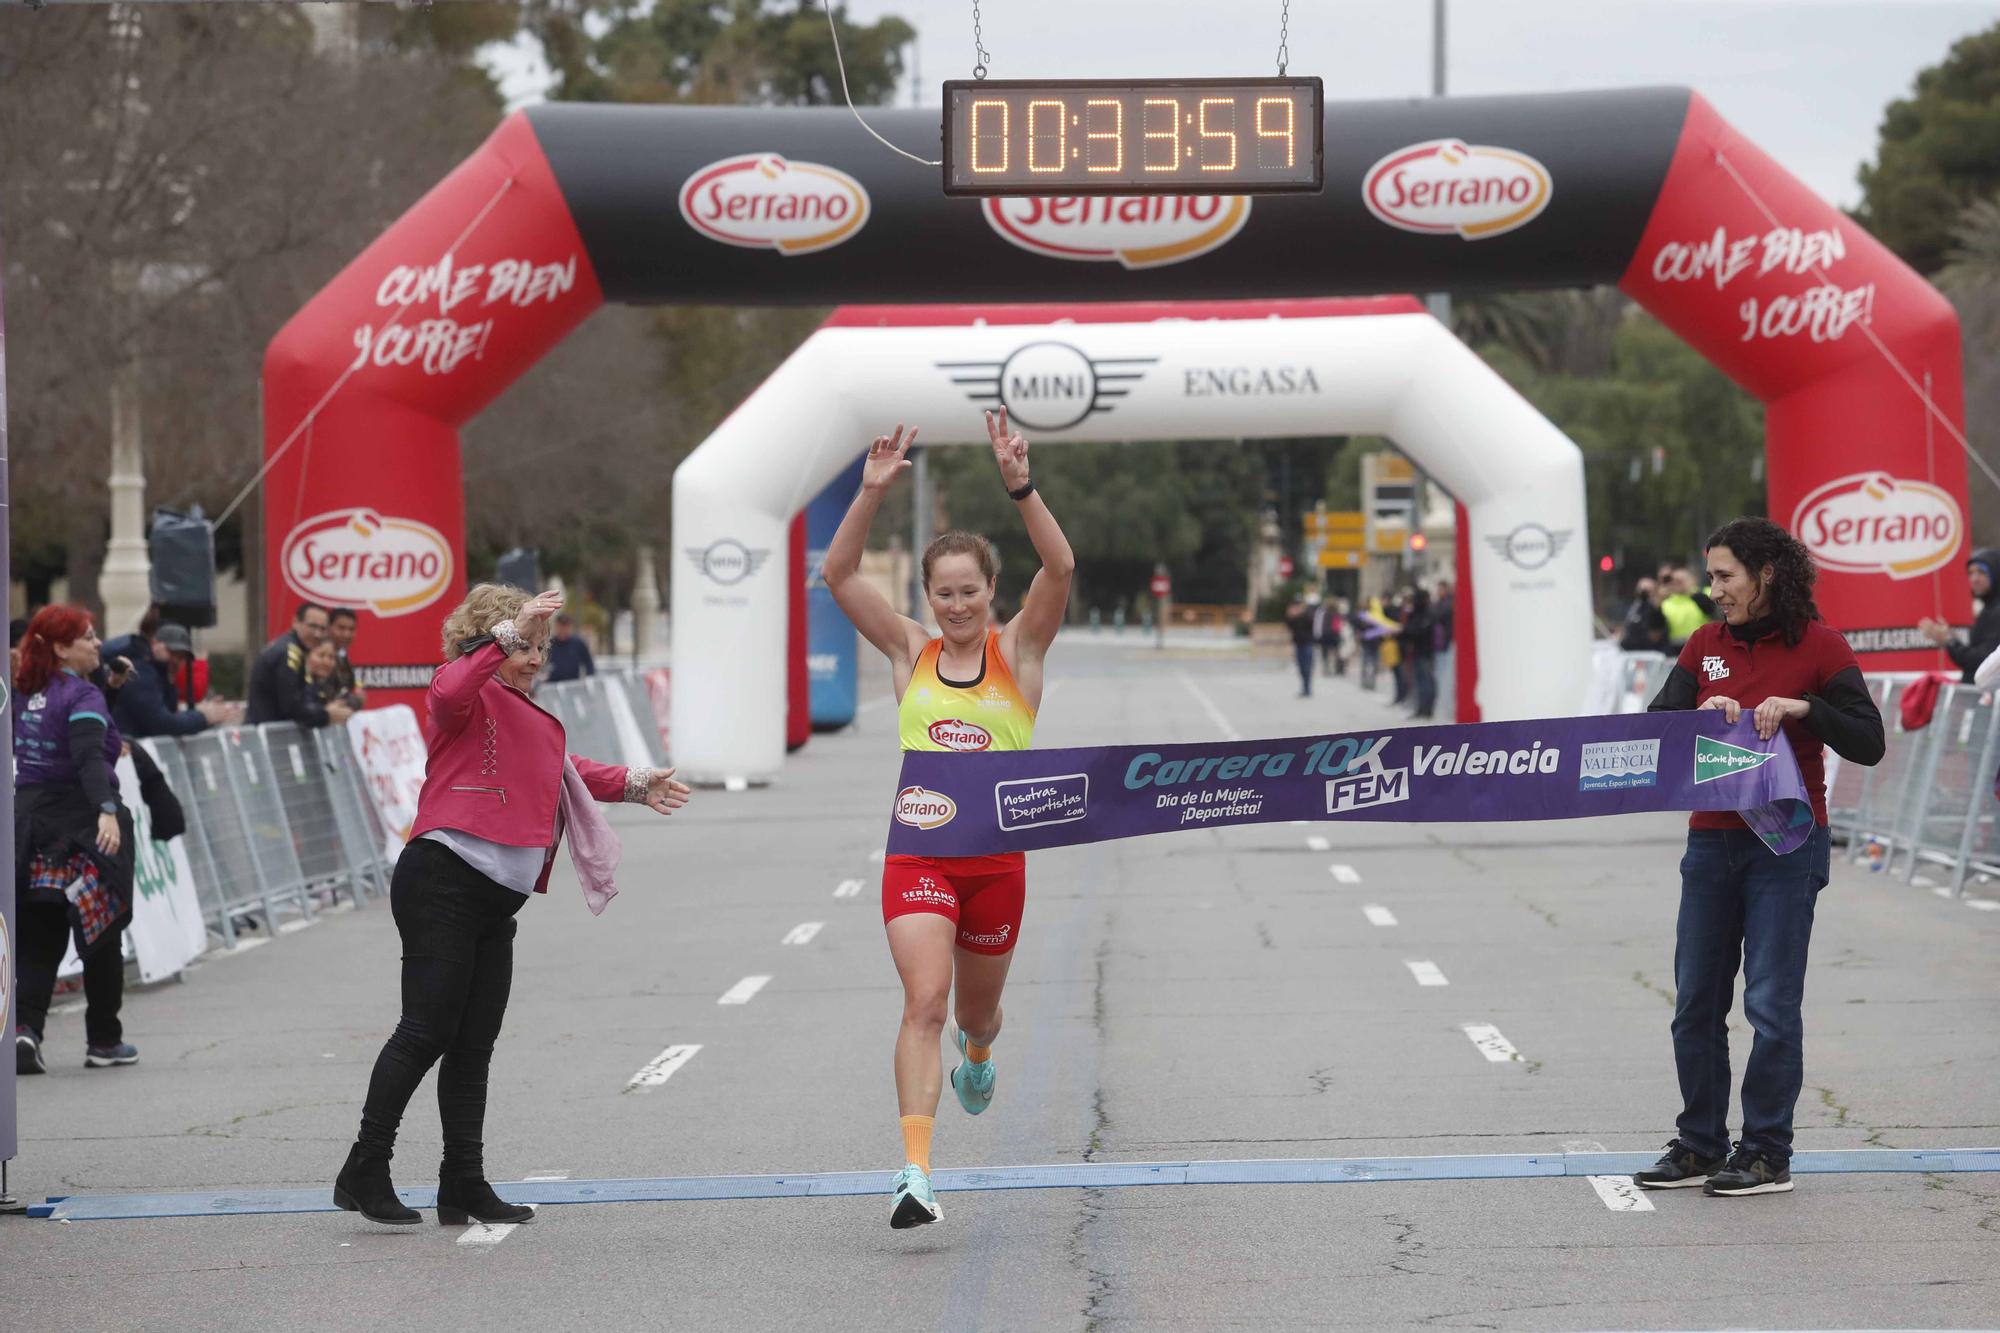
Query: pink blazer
(495,767)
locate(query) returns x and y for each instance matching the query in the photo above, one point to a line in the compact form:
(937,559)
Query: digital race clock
(1132,136)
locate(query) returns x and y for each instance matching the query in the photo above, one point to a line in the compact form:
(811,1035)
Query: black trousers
(457,928)
(44,938)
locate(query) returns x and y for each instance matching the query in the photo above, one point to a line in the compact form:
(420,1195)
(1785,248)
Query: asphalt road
(1220,994)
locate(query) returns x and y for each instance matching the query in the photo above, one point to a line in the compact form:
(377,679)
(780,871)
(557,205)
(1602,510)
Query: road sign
(1284,566)
(1332,558)
(1162,585)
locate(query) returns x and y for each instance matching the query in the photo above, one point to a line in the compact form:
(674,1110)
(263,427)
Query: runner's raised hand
(886,459)
(1010,450)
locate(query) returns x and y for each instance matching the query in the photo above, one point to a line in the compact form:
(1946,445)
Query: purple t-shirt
(41,730)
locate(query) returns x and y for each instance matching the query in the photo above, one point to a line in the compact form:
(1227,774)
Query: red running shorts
(983,895)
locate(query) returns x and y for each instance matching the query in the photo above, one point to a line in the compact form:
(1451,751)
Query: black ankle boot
(363,1186)
(463,1199)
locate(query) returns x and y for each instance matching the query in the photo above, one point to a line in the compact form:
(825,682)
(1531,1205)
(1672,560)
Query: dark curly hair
(1757,542)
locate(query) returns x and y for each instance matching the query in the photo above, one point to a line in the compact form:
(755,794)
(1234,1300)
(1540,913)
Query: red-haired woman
(953,921)
(73,849)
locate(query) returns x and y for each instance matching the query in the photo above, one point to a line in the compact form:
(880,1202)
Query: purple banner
(977,804)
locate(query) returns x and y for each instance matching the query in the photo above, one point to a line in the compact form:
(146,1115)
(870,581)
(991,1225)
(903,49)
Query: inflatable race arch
(569,205)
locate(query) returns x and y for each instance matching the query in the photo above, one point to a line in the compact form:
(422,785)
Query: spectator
(1985,639)
(1328,622)
(149,704)
(1645,629)
(569,655)
(1299,620)
(1685,609)
(323,675)
(1418,638)
(1393,656)
(341,624)
(73,841)
(278,688)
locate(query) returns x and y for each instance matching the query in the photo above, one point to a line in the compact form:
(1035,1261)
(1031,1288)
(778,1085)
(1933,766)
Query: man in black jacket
(1979,574)
(148,705)
(279,690)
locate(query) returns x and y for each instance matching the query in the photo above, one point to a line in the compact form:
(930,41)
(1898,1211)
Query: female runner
(973,688)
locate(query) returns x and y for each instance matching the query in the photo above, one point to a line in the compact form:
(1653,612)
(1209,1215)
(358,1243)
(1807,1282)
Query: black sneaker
(1750,1172)
(101,1057)
(28,1053)
(1679,1168)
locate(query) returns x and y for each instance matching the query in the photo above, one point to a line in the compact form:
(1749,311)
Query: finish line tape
(1081,1175)
(983,802)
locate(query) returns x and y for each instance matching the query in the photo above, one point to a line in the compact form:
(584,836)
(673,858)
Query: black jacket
(1985,629)
(279,690)
(147,705)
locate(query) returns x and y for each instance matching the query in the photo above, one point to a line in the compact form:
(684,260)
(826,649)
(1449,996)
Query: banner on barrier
(952,804)
(389,747)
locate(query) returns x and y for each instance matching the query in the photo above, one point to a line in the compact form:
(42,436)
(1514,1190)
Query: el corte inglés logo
(1447,185)
(1136,232)
(1873,523)
(366,560)
(921,808)
(761,201)
(1719,759)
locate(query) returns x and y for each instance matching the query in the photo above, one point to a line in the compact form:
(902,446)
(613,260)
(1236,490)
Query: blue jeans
(1740,903)
(1303,654)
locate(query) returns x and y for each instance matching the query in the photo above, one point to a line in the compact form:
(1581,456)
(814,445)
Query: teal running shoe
(915,1204)
(972,1082)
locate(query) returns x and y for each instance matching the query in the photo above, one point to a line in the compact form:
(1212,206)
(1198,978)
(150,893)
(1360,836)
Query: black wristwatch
(1027,489)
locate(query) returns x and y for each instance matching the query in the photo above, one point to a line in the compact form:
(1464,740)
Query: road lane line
(802,933)
(1378,915)
(876,855)
(1345,874)
(1318,844)
(1427,973)
(1229,733)
(1490,1043)
(660,1068)
(741,992)
(1983,904)
(487,1233)
(847,888)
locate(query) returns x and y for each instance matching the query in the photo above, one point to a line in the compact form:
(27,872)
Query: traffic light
(1418,541)
(1604,562)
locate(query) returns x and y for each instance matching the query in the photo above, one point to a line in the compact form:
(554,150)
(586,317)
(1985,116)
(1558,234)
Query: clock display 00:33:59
(1163,136)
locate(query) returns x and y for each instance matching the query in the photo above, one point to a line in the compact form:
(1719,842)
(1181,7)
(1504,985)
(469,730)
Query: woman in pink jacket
(498,795)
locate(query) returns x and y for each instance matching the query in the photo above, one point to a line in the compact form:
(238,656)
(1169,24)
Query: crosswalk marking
(741,992)
(1378,915)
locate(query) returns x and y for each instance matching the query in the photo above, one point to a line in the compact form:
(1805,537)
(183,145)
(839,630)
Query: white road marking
(1229,733)
(847,888)
(803,932)
(1490,1043)
(741,992)
(659,1069)
(293,927)
(1983,904)
(877,854)
(547,1175)
(1345,874)
(1318,844)
(1427,973)
(1620,1195)
(1942,891)
(487,1233)
(1378,915)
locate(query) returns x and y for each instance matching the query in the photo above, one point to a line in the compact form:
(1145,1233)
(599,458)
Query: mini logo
(727,561)
(1715,668)
(760,201)
(1448,185)
(1873,523)
(1048,385)
(1617,765)
(361,559)
(1359,791)
(1719,759)
(952,734)
(920,808)
(1137,232)
(1530,546)
(1037,802)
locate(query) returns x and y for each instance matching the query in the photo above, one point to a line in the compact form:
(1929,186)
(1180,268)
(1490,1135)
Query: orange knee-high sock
(976,1053)
(917,1140)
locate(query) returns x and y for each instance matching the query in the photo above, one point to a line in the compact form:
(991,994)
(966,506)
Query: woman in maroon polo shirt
(1770,659)
(498,795)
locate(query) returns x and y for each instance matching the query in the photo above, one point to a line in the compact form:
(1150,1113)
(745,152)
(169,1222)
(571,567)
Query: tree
(1972,280)
(1939,151)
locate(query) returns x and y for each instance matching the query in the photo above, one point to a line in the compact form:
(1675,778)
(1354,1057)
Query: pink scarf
(593,847)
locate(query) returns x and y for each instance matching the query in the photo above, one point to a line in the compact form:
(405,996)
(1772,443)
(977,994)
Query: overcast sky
(1805,79)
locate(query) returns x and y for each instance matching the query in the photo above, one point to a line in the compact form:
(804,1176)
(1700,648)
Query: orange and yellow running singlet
(982,894)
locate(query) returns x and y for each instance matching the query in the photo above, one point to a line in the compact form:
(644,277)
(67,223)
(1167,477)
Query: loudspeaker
(182,549)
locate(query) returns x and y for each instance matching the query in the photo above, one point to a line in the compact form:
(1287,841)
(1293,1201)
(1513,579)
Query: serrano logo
(358,558)
(1873,523)
(1137,232)
(920,808)
(762,202)
(1448,185)
(953,734)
